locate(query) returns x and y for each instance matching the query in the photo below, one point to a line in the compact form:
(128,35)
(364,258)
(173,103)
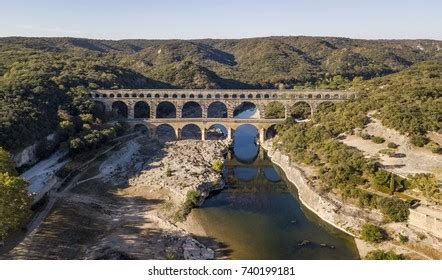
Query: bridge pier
(262,135)
(178,133)
(229,133)
(203,134)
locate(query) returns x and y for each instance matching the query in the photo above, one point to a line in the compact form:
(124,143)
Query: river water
(259,215)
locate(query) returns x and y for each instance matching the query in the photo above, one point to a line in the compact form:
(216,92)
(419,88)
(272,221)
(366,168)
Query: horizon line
(209,38)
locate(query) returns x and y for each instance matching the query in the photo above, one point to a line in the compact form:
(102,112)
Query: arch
(191,131)
(99,109)
(166,96)
(141,128)
(310,96)
(266,96)
(245,174)
(141,110)
(318,96)
(245,147)
(157,95)
(200,95)
(327,96)
(119,95)
(111,95)
(246,110)
(336,96)
(217,95)
(183,95)
(301,110)
(119,108)
(275,110)
(216,132)
(242,96)
(96,95)
(250,96)
(217,109)
(192,109)
(326,106)
(271,132)
(174,96)
(165,132)
(166,109)
(191,96)
(271,175)
(134,95)
(126,95)
(104,95)
(148,95)
(226,96)
(258,96)
(209,96)
(234,96)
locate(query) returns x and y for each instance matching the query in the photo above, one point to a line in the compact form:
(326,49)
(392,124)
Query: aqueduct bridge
(205,108)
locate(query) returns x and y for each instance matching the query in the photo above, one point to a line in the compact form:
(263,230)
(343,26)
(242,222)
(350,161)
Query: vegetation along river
(259,215)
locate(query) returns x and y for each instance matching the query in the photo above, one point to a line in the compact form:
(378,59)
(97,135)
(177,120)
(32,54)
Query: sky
(194,19)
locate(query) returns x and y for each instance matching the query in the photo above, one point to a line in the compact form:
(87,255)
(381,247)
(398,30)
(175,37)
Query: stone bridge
(180,108)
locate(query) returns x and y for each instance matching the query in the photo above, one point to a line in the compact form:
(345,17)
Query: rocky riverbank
(125,205)
(349,218)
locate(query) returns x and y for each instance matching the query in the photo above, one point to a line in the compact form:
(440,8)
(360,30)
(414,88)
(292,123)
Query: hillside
(39,76)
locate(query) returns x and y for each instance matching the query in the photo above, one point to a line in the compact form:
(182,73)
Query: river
(259,216)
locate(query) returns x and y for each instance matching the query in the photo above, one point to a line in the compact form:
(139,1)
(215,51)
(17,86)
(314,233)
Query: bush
(366,136)
(434,147)
(403,238)
(393,209)
(389,152)
(377,140)
(372,233)
(217,165)
(419,140)
(392,145)
(168,172)
(382,255)
(192,198)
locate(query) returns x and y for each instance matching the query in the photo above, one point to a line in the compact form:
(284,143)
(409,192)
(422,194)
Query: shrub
(377,140)
(389,152)
(192,198)
(393,209)
(427,184)
(403,238)
(419,140)
(383,255)
(366,136)
(372,233)
(217,165)
(168,172)
(434,147)
(392,145)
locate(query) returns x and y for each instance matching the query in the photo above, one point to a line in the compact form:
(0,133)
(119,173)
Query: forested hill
(257,62)
(40,76)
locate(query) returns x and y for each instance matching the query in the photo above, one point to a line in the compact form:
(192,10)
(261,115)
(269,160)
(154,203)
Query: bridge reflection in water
(258,215)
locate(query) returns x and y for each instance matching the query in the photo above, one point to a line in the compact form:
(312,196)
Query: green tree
(14,199)
(372,233)
(383,255)
(217,165)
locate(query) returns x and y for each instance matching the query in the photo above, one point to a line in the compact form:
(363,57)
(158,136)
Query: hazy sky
(111,19)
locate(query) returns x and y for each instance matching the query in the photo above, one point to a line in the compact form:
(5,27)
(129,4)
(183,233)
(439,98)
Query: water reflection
(258,216)
(244,143)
